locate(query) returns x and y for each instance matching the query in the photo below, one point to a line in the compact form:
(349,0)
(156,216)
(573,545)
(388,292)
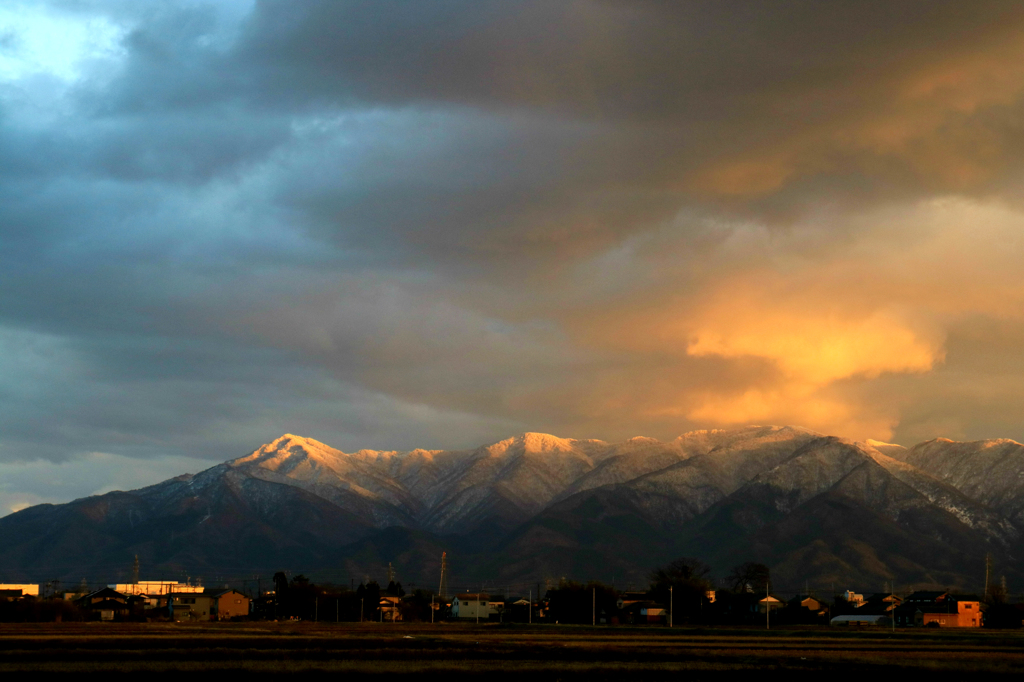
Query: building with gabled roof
(940,609)
(210,604)
(104,604)
(769,602)
(880,603)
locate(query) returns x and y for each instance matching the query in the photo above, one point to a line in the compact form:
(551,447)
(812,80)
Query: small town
(679,594)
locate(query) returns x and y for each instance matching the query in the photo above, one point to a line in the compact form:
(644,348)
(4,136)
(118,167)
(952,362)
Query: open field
(550,652)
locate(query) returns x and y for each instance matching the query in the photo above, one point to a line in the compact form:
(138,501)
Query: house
(520,611)
(880,603)
(939,609)
(852,598)
(640,611)
(769,602)
(182,606)
(805,609)
(389,610)
(227,604)
(806,601)
(211,604)
(654,614)
(475,606)
(105,604)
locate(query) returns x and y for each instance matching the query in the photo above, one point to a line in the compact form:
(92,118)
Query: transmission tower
(443,589)
(135,571)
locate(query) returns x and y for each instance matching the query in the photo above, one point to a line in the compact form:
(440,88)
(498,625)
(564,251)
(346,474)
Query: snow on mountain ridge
(441,488)
(514,478)
(991,471)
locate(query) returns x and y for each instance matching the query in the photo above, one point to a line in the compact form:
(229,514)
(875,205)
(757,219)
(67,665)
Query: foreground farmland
(544,651)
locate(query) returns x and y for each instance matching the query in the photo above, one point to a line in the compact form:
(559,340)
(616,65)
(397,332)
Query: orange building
(209,605)
(228,604)
(940,609)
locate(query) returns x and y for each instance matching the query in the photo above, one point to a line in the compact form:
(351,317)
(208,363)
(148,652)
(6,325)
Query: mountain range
(816,509)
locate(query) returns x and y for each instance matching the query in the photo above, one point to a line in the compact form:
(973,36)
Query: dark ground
(542,652)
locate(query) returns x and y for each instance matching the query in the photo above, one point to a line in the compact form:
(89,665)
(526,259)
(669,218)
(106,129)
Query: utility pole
(530,616)
(767,607)
(361,600)
(988,568)
(671,605)
(593,618)
(431,609)
(443,589)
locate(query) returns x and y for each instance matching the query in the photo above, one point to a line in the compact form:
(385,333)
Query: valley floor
(543,652)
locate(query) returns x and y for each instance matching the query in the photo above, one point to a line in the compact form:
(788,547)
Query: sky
(438,224)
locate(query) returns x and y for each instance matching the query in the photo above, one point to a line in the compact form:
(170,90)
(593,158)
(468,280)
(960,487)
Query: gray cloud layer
(433,224)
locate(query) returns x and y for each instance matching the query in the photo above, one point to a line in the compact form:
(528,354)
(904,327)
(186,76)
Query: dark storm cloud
(599,119)
(543,128)
(630,60)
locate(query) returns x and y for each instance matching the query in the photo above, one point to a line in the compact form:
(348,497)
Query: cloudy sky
(398,224)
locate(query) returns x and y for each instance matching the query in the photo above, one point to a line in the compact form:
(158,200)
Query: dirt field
(548,652)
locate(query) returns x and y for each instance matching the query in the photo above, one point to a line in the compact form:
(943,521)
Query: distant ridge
(537,506)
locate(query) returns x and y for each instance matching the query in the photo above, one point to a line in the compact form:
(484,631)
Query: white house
(474,606)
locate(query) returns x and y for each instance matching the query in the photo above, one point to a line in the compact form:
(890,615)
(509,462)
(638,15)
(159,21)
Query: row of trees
(684,584)
(688,579)
(302,599)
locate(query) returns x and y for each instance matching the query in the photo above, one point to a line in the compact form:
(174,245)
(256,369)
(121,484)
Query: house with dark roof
(880,603)
(105,604)
(940,609)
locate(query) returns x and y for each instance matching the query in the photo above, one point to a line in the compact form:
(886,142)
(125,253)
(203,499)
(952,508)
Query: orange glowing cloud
(769,326)
(818,349)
